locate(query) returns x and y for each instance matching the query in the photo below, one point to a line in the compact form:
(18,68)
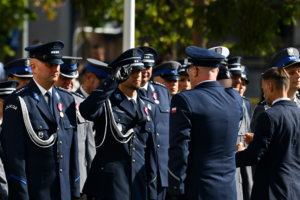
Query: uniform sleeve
(257,110)
(74,163)
(90,145)
(256,149)
(3,182)
(13,143)
(179,137)
(91,107)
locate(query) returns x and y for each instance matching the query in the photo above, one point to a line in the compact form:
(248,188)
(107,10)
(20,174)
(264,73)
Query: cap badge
(219,50)
(290,51)
(73,62)
(238,60)
(134,52)
(13,84)
(27,62)
(173,65)
(56,44)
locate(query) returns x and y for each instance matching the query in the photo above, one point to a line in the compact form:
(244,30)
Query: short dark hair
(278,76)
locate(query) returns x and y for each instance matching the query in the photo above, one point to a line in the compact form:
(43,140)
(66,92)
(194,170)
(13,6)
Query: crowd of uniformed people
(136,131)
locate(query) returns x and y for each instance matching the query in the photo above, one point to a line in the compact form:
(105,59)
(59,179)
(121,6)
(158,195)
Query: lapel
(141,107)
(123,102)
(57,99)
(41,102)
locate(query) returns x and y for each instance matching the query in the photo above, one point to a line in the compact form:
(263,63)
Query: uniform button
(157,134)
(58,129)
(167,110)
(136,125)
(130,145)
(149,129)
(41,127)
(71,126)
(60,142)
(133,161)
(133,149)
(175,187)
(61,157)
(158,146)
(105,83)
(118,119)
(134,137)
(102,168)
(60,170)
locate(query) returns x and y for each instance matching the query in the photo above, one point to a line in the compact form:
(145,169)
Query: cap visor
(71,74)
(138,68)
(236,72)
(148,64)
(293,63)
(171,78)
(53,61)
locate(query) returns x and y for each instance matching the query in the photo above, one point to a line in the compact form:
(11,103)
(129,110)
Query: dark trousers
(85,197)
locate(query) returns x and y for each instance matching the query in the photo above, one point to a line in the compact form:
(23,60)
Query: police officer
(234,66)
(160,96)
(20,71)
(86,141)
(287,58)
(6,88)
(39,136)
(125,164)
(184,79)
(167,74)
(224,51)
(224,77)
(93,77)
(203,131)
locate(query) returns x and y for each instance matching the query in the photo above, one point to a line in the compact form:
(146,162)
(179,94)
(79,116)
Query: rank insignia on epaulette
(219,50)
(134,52)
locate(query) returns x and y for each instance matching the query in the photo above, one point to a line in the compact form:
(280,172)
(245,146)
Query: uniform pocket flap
(149,126)
(68,125)
(39,125)
(164,109)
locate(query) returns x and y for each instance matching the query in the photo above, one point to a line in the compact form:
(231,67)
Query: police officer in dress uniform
(167,74)
(289,59)
(39,136)
(6,88)
(93,77)
(20,71)
(86,141)
(160,96)
(125,164)
(203,134)
(224,51)
(184,82)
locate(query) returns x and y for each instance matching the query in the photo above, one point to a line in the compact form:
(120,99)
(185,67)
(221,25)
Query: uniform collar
(85,94)
(134,98)
(204,82)
(43,90)
(146,86)
(281,99)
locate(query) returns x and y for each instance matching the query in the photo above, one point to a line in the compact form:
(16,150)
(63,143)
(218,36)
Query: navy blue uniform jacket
(203,131)
(276,150)
(121,170)
(34,172)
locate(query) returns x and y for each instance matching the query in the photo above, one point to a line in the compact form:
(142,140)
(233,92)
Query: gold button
(149,129)
(102,168)
(157,134)
(60,142)
(134,137)
(130,145)
(158,146)
(167,110)
(58,129)
(136,125)
(119,120)
(175,188)
(61,157)
(105,83)
(41,127)
(133,149)
(133,161)
(60,170)
(71,126)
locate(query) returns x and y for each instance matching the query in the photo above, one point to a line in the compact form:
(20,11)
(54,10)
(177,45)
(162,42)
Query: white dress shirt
(145,87)
(281,99)
(136,105)
(44,91)
(84,92)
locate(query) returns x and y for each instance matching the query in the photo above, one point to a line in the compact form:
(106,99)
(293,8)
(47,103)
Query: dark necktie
(135,108)
(50,101)
(143,92)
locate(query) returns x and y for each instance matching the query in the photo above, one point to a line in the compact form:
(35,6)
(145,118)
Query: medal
(154,95)
(60,108)
(146,110)
(119,127)
(149,106)
(77,109)
(148,118)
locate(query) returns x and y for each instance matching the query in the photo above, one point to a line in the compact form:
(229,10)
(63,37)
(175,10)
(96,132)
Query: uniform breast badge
(60,108)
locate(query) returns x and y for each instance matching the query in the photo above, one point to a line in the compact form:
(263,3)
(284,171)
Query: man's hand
(239,147)
(121,73)
(248,137)
(173,197)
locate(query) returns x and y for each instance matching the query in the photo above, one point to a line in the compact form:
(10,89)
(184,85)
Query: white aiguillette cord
(32,135)
(113,126)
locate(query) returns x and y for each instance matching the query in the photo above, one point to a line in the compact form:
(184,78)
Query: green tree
(13,13)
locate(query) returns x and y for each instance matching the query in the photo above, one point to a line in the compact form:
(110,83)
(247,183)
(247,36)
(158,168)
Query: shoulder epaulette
(21,90)
(146,99)
(156,83)
(262,103)
(77,94)
(64,90)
